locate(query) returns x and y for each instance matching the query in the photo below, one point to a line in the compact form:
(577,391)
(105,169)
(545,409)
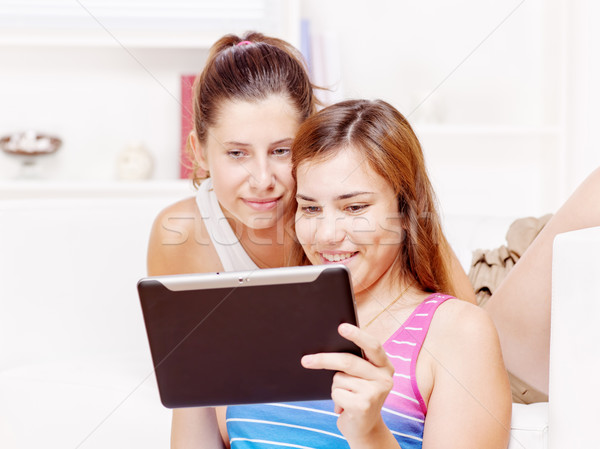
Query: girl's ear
(199,152)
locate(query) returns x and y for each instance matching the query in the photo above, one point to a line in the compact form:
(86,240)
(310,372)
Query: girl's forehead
(231,109)
(271,119)
(343,163)
(347,169)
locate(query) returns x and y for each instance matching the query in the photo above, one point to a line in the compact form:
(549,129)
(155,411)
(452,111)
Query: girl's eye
(354,208)
(281,151)
(310,210)
(235,154)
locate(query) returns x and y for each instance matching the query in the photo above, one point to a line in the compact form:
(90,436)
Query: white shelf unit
(136,23)
(102,75)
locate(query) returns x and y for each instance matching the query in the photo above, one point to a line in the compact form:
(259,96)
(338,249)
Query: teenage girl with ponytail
(248,102)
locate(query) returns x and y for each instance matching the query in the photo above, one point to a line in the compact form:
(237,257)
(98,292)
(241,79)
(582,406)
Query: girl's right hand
(359,389)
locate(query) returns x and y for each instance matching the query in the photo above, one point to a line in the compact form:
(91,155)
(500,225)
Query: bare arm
(178,245)
(195,428)
(470,403)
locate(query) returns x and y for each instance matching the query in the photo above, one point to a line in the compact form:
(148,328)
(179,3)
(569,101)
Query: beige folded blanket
(490,267)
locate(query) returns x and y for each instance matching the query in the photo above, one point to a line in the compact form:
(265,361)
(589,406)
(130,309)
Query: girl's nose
(261,177)
(329,229)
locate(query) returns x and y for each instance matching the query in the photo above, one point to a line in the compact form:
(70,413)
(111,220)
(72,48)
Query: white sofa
(75,369)
(575,340)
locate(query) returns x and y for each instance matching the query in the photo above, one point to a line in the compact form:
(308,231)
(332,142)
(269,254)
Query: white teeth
(336,257)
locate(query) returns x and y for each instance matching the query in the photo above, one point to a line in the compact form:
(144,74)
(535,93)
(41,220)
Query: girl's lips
(337,257)
(260,204)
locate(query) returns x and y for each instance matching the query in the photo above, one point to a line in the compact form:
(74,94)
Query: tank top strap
(403,349)
(231,253)
(419,321)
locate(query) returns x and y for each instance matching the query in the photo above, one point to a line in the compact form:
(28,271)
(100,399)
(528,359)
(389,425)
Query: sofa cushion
(529,426)
(90,403)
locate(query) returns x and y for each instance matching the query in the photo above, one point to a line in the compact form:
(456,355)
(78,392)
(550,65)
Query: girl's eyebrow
(305,198)
(287,140)
(345,196)
(237,144)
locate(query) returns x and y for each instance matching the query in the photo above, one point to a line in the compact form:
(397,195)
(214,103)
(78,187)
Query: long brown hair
(385,139)
(252,71)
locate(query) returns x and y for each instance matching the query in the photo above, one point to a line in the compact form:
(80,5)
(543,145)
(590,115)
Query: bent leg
(520,307)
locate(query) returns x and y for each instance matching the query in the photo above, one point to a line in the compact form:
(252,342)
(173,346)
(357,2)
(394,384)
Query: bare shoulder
(179,242)
(178,215)
(174,223)
(459,325)
(463,331)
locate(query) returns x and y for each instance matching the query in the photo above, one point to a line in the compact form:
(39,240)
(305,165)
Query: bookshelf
(107,75)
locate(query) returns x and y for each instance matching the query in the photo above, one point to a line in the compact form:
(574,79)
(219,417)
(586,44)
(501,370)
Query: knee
(590,194)
(593,180)
(596,175)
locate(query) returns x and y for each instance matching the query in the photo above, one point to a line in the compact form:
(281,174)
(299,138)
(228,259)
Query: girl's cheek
(301,230)
(361,229)
(305,230)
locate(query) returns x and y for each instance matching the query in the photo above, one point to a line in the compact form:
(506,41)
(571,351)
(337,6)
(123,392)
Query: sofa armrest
(575,340)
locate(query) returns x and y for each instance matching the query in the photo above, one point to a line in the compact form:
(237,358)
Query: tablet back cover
(242,343)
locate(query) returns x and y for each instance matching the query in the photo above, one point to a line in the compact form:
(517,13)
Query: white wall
(582,94)
(405,50)
(481,81)
(502,94)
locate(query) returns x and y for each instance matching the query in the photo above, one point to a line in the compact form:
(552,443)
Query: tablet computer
(238,337)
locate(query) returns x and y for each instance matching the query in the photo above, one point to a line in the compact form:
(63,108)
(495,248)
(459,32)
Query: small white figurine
(134,163)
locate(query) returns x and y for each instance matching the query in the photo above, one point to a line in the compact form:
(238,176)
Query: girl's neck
(382,309)
(378,292)
(387,289)
(267,247)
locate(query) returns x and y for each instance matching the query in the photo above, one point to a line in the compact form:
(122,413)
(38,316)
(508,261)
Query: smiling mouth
(338,257)
(262,204)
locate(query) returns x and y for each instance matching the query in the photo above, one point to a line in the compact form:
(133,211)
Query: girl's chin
(261,224)
(260,221)
(263,220)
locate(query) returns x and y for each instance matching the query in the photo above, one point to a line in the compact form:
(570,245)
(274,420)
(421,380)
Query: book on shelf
(185,163)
